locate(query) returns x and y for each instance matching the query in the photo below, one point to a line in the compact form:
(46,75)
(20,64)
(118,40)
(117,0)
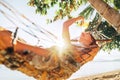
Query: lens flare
(60,45)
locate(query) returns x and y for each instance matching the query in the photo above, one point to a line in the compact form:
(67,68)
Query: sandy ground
(113,75)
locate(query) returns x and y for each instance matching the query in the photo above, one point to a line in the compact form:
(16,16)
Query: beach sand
(112,75)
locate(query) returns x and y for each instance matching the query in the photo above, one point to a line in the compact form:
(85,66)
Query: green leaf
(87,12)
(117,3)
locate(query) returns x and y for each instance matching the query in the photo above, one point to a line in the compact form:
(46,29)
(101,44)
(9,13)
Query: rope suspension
(18,16)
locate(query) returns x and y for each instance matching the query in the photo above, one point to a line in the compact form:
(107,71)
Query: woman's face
(86,38)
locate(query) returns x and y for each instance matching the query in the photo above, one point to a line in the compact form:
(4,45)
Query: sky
(103,62)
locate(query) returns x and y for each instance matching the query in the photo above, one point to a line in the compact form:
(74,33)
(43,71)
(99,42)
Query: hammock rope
(10,18)
(38,27)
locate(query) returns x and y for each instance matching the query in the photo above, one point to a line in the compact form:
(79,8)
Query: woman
(50,65)
(87,48)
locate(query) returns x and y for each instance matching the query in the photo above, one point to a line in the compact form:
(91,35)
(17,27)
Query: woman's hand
(82,20)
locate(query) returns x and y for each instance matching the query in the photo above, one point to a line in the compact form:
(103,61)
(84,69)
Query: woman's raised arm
(66,25)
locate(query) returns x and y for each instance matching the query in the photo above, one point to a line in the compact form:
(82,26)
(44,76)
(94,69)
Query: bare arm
(65,31)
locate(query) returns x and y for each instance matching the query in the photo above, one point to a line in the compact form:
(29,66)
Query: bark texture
(106,11)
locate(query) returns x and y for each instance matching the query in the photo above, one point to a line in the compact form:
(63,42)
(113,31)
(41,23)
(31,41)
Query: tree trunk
(110,14)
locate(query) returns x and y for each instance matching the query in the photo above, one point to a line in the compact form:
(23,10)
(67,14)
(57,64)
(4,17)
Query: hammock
(40,63)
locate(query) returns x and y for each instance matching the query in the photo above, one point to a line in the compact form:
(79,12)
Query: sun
(60,45)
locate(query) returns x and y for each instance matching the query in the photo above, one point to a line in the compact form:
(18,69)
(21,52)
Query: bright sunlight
(60,46)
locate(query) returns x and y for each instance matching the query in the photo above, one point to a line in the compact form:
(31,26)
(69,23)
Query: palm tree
(110,14)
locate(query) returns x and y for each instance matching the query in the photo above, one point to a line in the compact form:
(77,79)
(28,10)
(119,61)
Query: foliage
(115,44)
(94,23)
(65,7)
(104,31)
(87,12)
(117,4)
(110,33)
(107,29)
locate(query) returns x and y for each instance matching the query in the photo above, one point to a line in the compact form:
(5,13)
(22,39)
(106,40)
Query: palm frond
(87,12)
